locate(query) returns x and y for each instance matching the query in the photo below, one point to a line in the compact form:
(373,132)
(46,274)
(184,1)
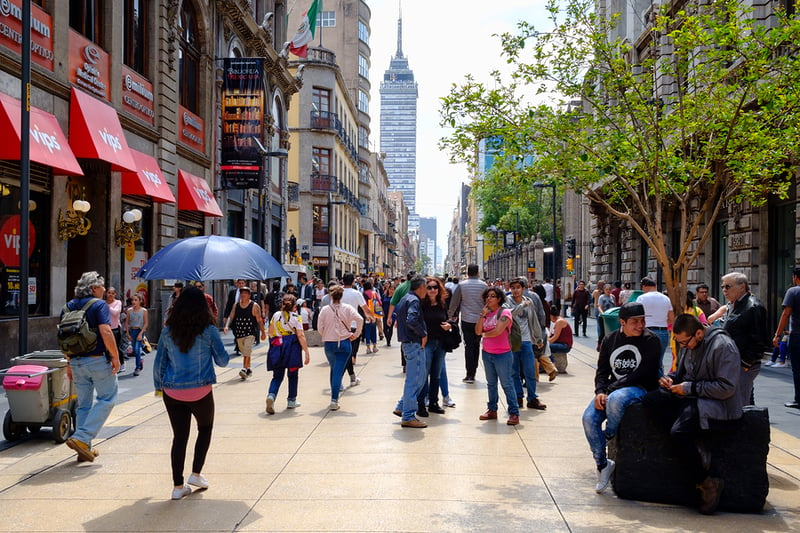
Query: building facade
(130,92)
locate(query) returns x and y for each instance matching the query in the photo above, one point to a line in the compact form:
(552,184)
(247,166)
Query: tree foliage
(703,112)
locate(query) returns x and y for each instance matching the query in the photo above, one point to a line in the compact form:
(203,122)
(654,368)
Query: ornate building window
(134,40)
(189,58)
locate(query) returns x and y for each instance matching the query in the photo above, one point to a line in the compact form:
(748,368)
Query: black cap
(630,310)
(648,282)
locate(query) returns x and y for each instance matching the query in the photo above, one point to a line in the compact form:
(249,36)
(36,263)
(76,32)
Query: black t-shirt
(628,361)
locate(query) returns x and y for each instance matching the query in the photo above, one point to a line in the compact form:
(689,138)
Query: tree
(706,111)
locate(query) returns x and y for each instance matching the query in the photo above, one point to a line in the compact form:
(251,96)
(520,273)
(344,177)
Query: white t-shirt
(656,308)
(548,292)
(284,327)
(353,297)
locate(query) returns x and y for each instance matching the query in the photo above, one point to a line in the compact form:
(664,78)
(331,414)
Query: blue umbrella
(212,257)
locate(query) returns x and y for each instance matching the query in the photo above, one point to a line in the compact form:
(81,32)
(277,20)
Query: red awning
(147,180)
(194,194)
(48,143)
(95,132)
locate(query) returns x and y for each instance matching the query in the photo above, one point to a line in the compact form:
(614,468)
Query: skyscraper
(399,128)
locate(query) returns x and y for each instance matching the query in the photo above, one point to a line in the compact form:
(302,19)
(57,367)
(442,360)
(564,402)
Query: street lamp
(281,153)
(540,185)
(331,226)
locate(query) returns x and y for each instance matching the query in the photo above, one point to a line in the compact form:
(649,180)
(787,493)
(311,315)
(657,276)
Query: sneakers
(180,492)
(369,350)
(249,372)
(83,450)
(354,381)
(604,477)
(198,481)
(534,403)
(271,404)
(779,365)
(334,406)
(768,363)
(468,380)
(374,348)
(413,423)
(710,491)
(447,402)
(291,404)
(513,420)
(488,415)
(121,369)
(243,374)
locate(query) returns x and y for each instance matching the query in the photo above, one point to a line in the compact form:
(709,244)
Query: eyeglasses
(491,295)
(685,343)
(726,287)
(433,288)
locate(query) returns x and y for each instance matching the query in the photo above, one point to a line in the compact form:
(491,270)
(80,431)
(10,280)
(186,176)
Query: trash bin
(611,320)
(634,295)
(28,399)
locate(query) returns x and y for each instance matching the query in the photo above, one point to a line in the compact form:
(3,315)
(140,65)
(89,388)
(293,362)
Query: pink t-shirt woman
(498,344)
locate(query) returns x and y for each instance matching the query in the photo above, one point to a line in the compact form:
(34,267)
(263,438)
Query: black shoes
(435,408)
(793,405)
(422,412)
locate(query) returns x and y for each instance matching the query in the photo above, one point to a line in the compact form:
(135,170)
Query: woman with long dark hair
(434,311)
(183,371)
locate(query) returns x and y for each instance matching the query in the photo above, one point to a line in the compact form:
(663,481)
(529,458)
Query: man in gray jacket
(468,299)
(524,314)
(699,398)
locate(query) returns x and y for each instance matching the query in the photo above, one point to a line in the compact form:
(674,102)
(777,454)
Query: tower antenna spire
(399,29)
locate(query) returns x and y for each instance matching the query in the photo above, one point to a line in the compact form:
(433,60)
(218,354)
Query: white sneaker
(374,348)
(198,481)
(779,365)
(355,382)
(180,492)
(291,404)
(604,477)
(447,402)
(243,374)
(768,363)
(334,406)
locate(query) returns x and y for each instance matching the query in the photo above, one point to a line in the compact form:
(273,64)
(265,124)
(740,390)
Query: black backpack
(74,335)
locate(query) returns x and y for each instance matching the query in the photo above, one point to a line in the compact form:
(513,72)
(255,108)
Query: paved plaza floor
(310,469)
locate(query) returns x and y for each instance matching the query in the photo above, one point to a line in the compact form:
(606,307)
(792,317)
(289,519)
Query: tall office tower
(399,128)
(427,240)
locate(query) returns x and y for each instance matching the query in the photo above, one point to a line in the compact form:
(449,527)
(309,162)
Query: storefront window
(11,286)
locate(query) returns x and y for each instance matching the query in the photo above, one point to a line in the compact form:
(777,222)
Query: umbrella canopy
(212,257)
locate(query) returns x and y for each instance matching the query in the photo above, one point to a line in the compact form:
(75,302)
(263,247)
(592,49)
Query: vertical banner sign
(242,122)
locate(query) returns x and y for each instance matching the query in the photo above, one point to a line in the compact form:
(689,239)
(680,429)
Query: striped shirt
(468,298)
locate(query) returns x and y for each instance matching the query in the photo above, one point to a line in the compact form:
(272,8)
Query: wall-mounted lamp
(129,230)
(73,222)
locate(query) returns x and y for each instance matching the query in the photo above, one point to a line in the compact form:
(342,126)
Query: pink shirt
(334,322)
(114,309)
(498,344)
(188,395)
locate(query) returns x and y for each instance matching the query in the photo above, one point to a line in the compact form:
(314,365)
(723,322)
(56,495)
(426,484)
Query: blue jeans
(338,354)
(794,356)
(443,378)
(434,360)
(498,366)
(90,375)
(616,403)
(277,379)
(524,357)
(415,377)
(370,333)
(663,337)
(136,346)
(559,347)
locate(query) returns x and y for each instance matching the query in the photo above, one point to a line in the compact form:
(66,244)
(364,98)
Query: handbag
(452,338)
(146,346)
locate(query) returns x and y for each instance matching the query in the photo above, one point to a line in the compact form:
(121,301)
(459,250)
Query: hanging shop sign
(192,131)
(242,122)
(89,65)
(137,96)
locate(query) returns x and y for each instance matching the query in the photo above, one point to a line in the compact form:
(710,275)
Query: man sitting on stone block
(700,396)
(628,367)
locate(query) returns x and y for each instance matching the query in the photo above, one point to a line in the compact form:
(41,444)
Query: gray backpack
(74,335)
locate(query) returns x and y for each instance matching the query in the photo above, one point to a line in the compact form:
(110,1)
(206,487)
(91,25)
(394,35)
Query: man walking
(413,334)
(699,397)
(581,299)
(746,322)
(468,300)
(707,304)
(627,368)
(94,371)
(658,312)
(791,311)
(246,319)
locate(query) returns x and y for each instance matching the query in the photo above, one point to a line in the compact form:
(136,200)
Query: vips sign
(41,32)
(242,122)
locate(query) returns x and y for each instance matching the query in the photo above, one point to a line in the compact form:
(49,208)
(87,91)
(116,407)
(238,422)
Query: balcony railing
(330,121)
(293,195)
(324,183)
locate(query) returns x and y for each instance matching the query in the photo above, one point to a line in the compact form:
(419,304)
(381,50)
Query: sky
(444,40)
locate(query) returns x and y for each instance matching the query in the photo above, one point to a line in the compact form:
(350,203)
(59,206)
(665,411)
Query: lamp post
(265,174)
(540,185)
(331,226)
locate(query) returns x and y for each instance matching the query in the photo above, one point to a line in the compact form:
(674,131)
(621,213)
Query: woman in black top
(434,311)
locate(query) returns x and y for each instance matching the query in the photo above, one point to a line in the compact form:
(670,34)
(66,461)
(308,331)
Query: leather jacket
(746,323)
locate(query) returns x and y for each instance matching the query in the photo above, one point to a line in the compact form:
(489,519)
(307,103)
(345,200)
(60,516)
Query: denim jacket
(410,322)
(174,369)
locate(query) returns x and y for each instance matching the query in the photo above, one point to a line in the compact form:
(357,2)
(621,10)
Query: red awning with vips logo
(48,143)
(95,132)
(147,180)
(194,194)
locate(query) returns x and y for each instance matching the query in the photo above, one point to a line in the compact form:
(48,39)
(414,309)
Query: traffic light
(570,265)
(571,247)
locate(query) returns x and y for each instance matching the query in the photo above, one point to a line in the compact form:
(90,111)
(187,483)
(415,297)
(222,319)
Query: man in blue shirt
(791,310)
(413,334)
(94,371)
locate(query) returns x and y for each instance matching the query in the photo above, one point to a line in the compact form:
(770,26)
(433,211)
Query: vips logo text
(152,177)
(45,139)
(111,140)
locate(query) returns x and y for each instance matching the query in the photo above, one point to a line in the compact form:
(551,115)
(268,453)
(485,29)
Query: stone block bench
(649,469)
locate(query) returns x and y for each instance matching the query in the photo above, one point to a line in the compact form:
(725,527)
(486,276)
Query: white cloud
(444,40)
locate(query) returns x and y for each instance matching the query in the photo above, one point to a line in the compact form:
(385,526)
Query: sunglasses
(726,287)
(433,288)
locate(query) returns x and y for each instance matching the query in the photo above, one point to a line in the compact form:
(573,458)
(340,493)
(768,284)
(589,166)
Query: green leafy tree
(704,112)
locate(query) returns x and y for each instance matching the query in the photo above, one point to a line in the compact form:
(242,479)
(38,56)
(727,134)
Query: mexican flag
(305,33)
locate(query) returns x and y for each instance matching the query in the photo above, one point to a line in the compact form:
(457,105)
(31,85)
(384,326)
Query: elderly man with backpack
(93,360)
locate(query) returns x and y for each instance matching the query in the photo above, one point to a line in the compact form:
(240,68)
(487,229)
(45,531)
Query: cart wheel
(11,430)
(62,426)
(34,428)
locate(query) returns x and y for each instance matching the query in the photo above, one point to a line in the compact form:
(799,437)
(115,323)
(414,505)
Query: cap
(648,282)
(630,310)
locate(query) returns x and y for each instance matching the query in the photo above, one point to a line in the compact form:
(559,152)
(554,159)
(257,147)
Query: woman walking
(334,327)
(373,299)
(494,327)
(136,326)
(115,310)
(388,292)
(183,371)
(287,339)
